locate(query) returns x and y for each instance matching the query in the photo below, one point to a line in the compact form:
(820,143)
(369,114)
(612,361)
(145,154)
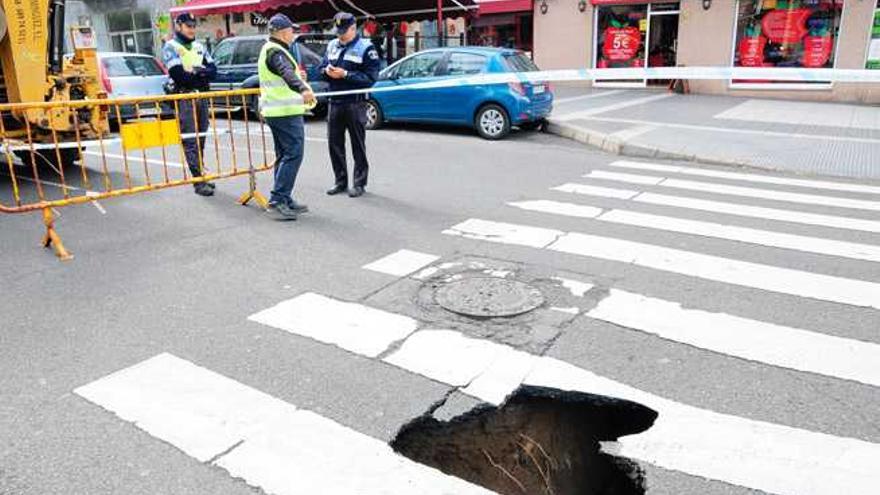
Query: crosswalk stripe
(708,267)
(726,208)
(763,179)
(866,252)
(777,345)
(755,454)
(268,443)
(749,192)
(401,263)
(353,327)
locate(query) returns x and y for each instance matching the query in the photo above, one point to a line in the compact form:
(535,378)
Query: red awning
(209,7)
(504,6)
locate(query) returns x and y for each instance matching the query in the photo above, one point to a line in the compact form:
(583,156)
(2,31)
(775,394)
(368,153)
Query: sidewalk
(802,137)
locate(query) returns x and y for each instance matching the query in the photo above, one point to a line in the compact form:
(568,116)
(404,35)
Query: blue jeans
(289,136)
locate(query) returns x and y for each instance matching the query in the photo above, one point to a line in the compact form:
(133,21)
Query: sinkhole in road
(541,441)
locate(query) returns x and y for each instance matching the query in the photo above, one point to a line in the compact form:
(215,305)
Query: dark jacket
(184,81)
(280,65)
(360,58)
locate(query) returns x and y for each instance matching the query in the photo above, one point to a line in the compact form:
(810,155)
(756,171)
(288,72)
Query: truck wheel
(48,158)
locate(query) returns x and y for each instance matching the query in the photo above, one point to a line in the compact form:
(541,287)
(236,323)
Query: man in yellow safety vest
(284,98)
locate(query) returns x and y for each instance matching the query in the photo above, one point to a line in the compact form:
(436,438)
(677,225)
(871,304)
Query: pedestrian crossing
(281,448)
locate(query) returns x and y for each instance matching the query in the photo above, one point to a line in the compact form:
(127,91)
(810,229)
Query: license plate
(539,89)
(148,111)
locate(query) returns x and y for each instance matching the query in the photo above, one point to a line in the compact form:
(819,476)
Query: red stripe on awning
(504,6)
(209,7)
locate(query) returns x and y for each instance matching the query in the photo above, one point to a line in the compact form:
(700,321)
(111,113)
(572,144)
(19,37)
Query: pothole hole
(541,441)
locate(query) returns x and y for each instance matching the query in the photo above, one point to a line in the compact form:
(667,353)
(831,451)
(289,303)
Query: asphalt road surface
(195,346)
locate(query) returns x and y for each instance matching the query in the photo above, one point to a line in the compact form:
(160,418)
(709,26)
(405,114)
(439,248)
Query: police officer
(351,62)
(284,98)
(191,69)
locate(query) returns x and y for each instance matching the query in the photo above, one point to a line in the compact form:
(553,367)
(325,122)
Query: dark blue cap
(280,21)
(185,18)
(342,21)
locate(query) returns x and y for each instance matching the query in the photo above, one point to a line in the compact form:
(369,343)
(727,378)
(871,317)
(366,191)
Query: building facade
(843,34)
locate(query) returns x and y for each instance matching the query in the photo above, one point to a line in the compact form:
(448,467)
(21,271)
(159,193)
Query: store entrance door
(662,41)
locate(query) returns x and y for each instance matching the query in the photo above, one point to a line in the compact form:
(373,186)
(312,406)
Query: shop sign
(785,25)
(258,19)
(817,51)
(751,51)
(621,44)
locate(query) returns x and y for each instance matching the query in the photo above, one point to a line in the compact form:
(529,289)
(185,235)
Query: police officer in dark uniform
(190,70)
(351,62)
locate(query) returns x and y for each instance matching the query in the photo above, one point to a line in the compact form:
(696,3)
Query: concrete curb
(617,146)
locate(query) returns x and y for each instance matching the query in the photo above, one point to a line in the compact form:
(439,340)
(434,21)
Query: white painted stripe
(274,446)
(830,247)
(749,453)
(612,107)
(716,268)
(812,199)
(777,345)
(764,179)
(351,326)
(797,112)
(401,263)
(133,159)
(726,208)
(505,233)
(576,287)
(590,96)
(605,192)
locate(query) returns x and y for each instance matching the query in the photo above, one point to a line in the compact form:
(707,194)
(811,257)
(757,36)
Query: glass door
(662,38)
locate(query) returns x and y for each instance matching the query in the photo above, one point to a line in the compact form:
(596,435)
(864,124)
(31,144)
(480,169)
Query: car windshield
(131,66)
(519,62)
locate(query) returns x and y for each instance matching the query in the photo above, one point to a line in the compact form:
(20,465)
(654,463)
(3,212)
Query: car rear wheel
(374,115)
(492,122)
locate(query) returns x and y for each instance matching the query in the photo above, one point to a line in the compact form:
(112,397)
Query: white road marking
(777,345)
(269,443)
(133,159)
(588,96)
(726,208)
(604,192)
(351,326)
(748,192)
(576,287)
(401,263)
(708,267)
(754,454)
(569,311)
(505,233)
(612,107)
(742,176)
(830,247)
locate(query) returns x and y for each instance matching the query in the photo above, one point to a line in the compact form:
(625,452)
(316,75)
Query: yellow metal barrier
(46,170)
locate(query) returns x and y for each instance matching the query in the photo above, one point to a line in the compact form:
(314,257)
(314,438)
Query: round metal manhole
(488,297)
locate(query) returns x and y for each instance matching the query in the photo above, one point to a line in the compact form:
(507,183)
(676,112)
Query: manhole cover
(488,297)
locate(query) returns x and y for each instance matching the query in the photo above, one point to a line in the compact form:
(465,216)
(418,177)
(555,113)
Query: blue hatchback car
(491,109)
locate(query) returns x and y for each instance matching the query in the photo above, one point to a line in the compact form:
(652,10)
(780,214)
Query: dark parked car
(491,109)
(237,57)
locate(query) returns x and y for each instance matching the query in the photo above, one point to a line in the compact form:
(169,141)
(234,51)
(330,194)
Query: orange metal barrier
(46,170)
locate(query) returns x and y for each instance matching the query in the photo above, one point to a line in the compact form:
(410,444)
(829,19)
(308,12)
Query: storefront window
(787,33)
(621,36)
(874,45)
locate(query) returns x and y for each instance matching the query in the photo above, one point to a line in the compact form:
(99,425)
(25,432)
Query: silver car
(132,74)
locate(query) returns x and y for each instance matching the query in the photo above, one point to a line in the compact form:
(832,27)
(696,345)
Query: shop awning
(209,7)
(504,6)
(311,10)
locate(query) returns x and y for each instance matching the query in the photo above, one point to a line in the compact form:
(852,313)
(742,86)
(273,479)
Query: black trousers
(351,117)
